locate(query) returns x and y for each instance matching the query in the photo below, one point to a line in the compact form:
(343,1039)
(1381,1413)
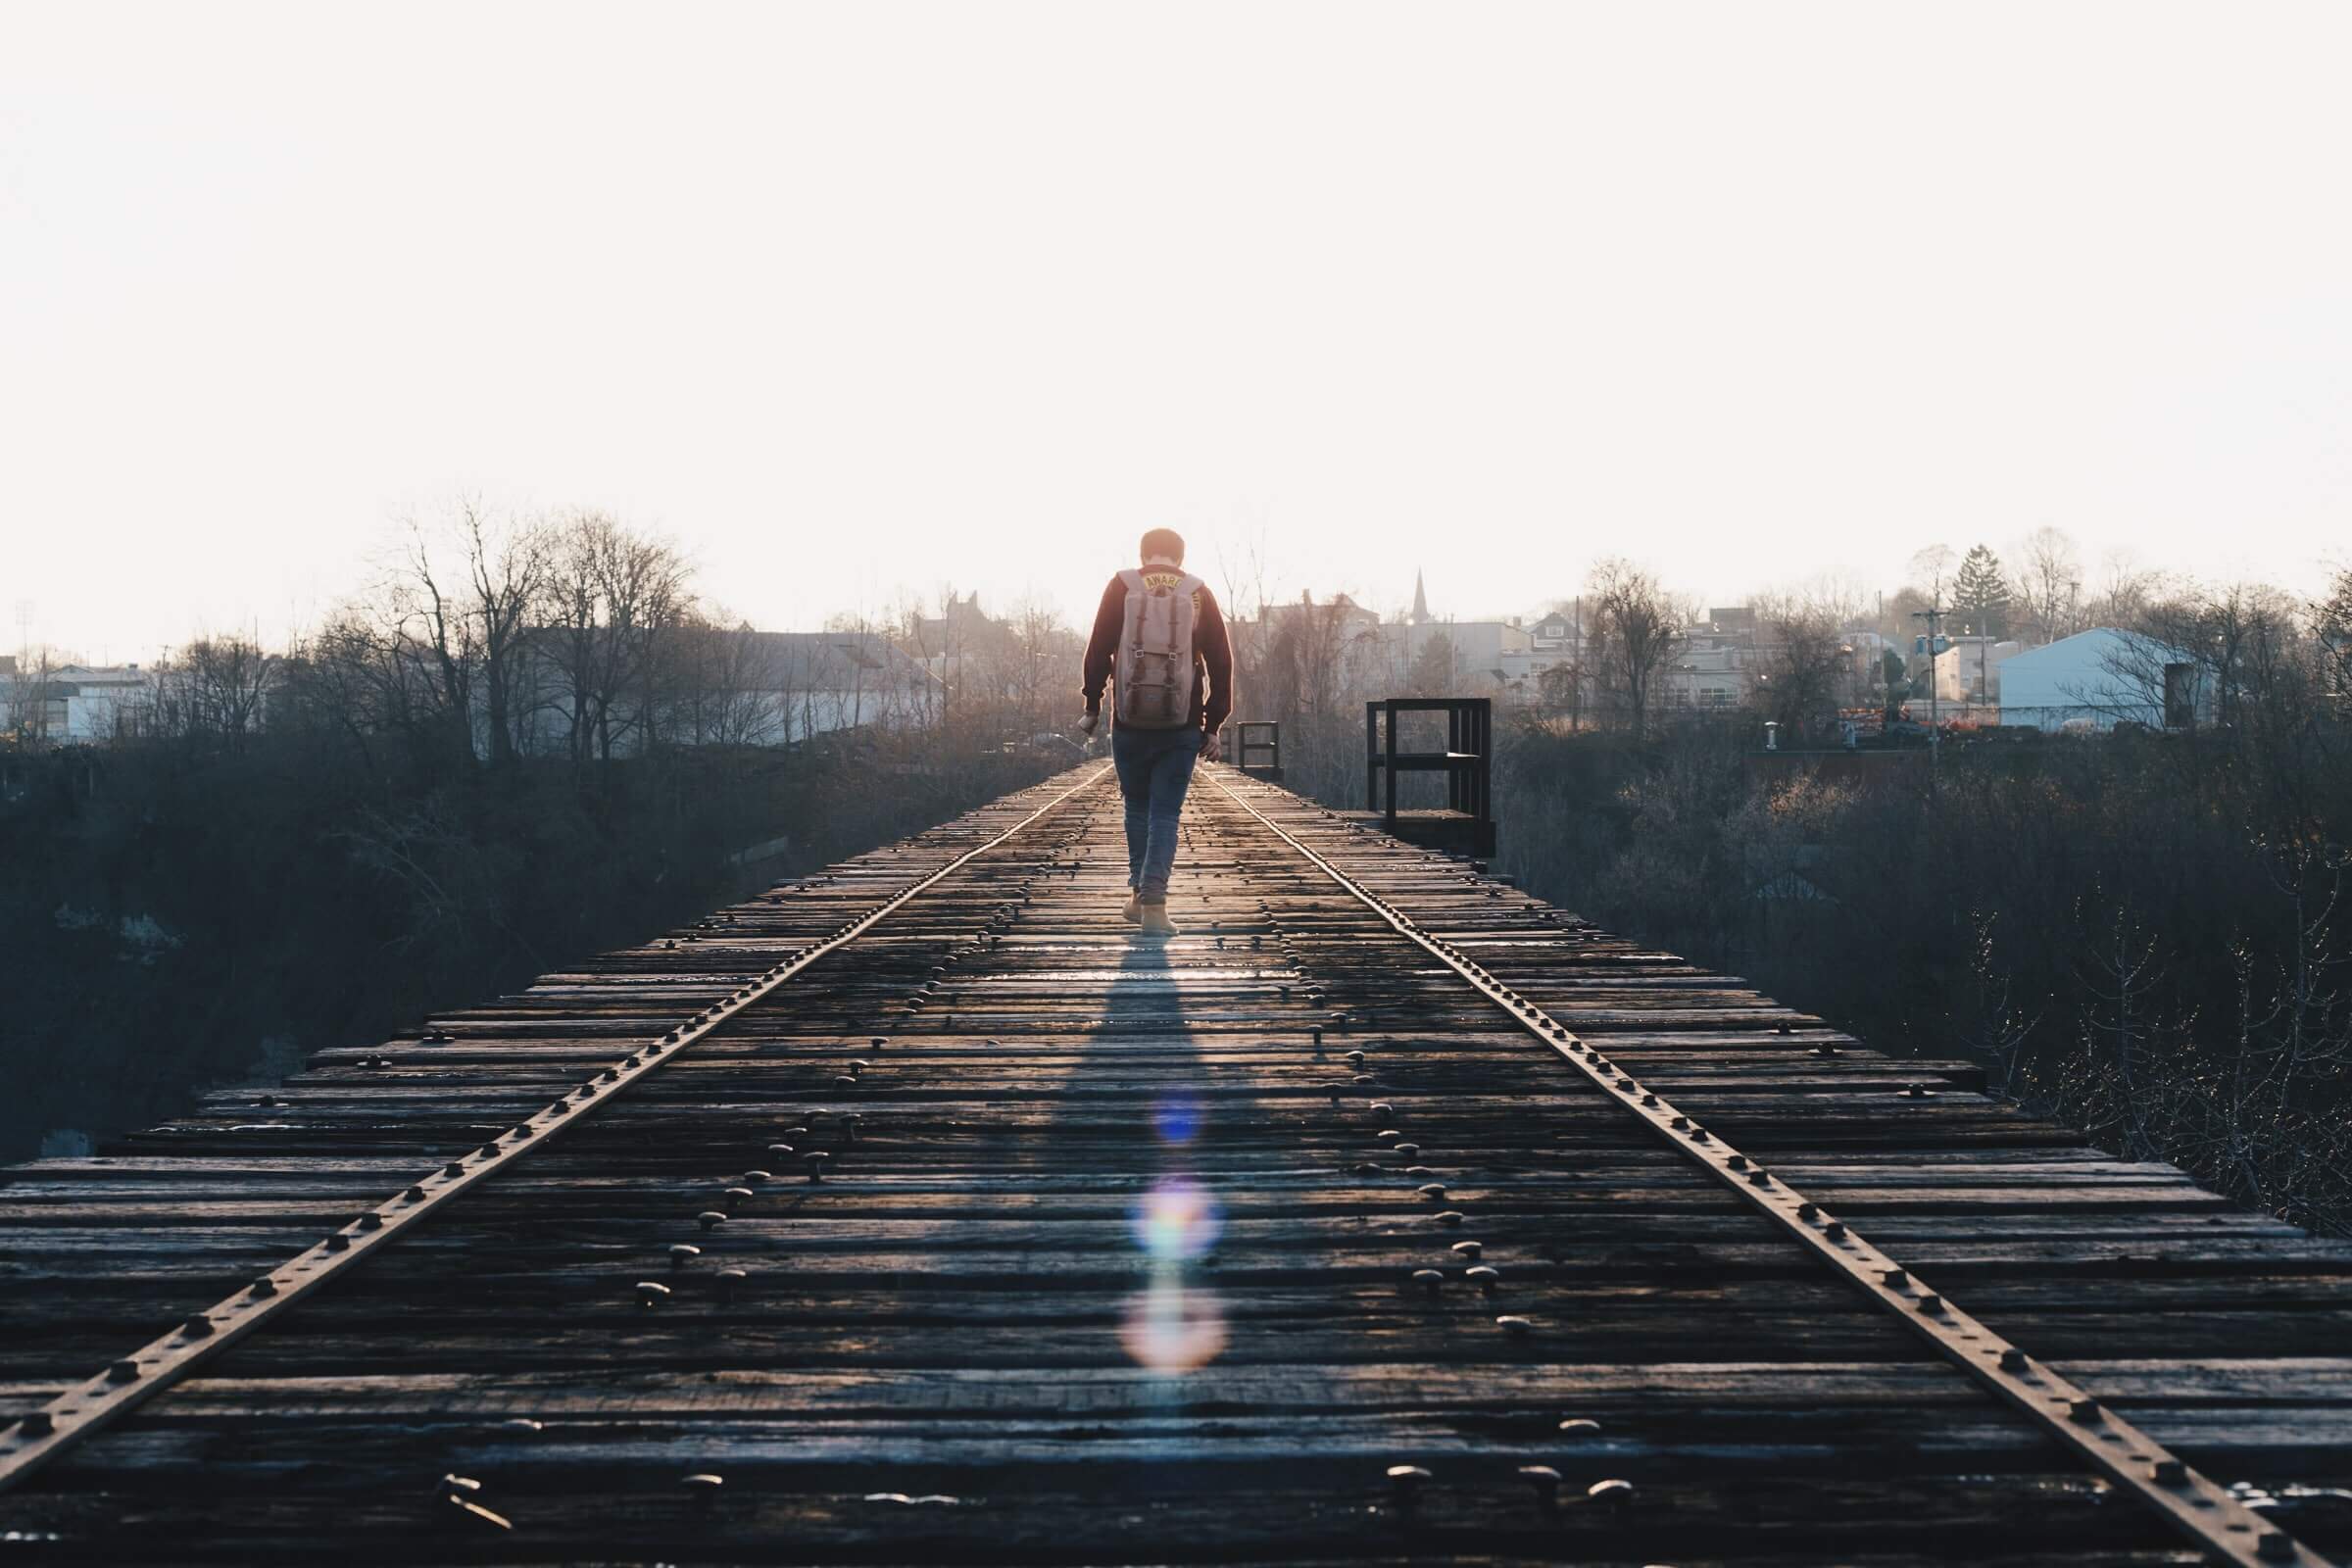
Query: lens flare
(1170,1329)
(1177,1119)
(1176,1221)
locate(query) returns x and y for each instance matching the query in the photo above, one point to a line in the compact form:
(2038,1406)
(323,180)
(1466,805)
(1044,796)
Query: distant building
(748,688)
(1560,628)
(77,703)
(1970,669)
(944,643)
(1716,663)
(1493,659)
(789,686)
(2099,678)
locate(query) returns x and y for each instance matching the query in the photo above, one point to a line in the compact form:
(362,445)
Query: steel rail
(2190,1502)
(130,1381)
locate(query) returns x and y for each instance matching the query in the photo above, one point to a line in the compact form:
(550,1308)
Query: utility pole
(1934,616)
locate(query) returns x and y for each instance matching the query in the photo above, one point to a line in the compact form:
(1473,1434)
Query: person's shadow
(1129,1123)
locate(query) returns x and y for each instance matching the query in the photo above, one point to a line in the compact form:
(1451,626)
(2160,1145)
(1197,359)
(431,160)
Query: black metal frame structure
(1249,744)
(1468,761)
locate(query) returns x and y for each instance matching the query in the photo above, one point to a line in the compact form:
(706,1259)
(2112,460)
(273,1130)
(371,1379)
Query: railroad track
(919,1213)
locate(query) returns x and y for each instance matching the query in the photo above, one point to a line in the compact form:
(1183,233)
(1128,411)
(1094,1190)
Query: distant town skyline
(856,302)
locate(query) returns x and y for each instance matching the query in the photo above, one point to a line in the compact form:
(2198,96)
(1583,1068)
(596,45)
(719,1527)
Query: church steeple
(1420,601)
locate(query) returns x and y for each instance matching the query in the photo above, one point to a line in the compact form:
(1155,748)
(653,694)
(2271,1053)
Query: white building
(1495,658)
(2096,679)
(753,688)
(73,704)
(1970,669)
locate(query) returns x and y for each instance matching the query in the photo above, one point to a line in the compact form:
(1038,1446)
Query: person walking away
(1160,641)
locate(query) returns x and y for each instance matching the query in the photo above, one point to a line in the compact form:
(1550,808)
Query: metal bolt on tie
(709,1219)
(1516,1327)
(1579,1427)
(682,1254)
(1614,1493)
(1430,1280)
(1469,1250)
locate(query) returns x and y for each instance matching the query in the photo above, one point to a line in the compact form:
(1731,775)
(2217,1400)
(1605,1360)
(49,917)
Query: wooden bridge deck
(1117,1252)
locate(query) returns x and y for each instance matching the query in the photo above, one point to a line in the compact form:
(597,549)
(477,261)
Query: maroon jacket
(1212,651)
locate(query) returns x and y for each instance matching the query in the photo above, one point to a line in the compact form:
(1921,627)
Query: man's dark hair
(1164,542)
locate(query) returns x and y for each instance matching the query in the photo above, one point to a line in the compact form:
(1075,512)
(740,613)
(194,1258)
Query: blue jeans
(1155,768)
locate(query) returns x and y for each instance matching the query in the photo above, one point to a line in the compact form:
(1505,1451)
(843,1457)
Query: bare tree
(1807,657)
(1637,630)
(223,682)
(2240,637)
(724,685)
(2125,590)
(27,693)
(2050,583)
(2332,621)
(1931,572)
(430,627)
(612,596)
(1561,689)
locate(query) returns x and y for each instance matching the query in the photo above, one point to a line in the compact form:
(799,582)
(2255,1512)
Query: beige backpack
(1153,676)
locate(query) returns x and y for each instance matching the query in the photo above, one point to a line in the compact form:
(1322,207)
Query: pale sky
(867,298)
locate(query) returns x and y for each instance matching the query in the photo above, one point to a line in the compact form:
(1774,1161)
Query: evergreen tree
(1434,671)
(1981,595)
